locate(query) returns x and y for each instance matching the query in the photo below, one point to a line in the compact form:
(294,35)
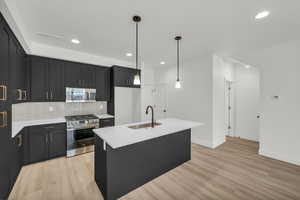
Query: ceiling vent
(51,36)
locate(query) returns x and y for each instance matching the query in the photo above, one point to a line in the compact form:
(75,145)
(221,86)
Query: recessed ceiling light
(247,66)
(128,54)
(162,62)
(75,41)
(262,14)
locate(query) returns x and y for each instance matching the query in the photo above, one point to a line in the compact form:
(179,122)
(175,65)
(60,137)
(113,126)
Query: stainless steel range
(80,135)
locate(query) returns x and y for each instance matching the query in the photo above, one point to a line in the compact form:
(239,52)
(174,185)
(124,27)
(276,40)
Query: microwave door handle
(87,95)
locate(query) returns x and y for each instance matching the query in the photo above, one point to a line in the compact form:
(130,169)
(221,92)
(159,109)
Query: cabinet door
(5,153)
(57,141)
(56,80)
(4,67)
(39,92)
(14,62)
(107,122)
(38,143)
(22,74)
(16,157)
(124,77)
(120,77)
(72,75)
(89,80)
(103,84)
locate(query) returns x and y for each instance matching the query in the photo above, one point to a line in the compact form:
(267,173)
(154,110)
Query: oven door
(79,141)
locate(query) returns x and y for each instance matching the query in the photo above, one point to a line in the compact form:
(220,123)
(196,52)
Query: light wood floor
(232,171)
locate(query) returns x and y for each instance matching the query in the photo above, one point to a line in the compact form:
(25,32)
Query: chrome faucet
(152,119)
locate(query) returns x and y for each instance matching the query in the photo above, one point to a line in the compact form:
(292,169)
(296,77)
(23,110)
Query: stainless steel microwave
(79,95)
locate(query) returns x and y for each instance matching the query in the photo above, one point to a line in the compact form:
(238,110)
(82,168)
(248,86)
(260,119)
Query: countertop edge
(195,124)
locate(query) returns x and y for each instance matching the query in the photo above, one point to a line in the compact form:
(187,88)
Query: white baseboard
(217,142)
(278,157)
(202,142)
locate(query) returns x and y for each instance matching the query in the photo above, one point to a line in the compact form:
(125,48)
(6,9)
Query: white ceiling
(104,27)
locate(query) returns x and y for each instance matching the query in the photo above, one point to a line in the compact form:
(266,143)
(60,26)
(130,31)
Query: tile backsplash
(49,110)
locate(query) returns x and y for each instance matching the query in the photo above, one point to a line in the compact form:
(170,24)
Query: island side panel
(134,165)
(100,165)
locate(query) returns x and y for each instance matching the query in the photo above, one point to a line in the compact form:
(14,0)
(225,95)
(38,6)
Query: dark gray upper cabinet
(124,77)
(56,80)
(39,67)
(47,80)
(18,75)
(72,75)
(103,83)
(79,75)
(49,77)
(4,66)
(88,76)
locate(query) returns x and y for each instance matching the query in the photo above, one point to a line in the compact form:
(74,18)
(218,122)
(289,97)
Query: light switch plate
(51,109)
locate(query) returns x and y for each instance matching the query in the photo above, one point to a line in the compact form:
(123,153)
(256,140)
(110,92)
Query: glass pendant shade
(137,80)
(177,84)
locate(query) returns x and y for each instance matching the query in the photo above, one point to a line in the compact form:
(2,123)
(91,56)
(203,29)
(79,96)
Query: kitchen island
(129,156)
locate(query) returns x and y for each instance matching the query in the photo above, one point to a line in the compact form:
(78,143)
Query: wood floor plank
(233,171)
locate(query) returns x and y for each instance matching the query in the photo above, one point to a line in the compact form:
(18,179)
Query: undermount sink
(146,125)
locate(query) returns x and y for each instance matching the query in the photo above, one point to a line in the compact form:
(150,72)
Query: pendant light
(178,84)
(137,78)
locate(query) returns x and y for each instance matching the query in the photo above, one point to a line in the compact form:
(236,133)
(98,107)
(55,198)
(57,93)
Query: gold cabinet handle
(4,119)
(25,95)
(20,140)
(4,93)
(19,94)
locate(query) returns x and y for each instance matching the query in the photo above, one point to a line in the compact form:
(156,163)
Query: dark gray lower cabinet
(5,150)
(16,157)
(121,170)
(46,142)
(107,122)
(37,143)
(57,140)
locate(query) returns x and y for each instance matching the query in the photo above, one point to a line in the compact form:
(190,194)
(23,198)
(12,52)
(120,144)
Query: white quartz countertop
(119,136)
(17,126)
(104,116)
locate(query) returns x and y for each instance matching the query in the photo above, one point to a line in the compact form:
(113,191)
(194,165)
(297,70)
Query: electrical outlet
(101,107)
(51,109)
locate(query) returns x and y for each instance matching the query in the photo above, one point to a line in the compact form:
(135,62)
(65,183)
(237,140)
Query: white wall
(222,71)
(194,100)
(49,110)
(147,91)
(280,122)
(247,97)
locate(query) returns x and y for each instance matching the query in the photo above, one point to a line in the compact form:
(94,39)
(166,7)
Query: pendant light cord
(136,44)
(177,60)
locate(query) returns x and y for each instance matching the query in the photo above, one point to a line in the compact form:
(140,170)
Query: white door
(247,91)
(229,107)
